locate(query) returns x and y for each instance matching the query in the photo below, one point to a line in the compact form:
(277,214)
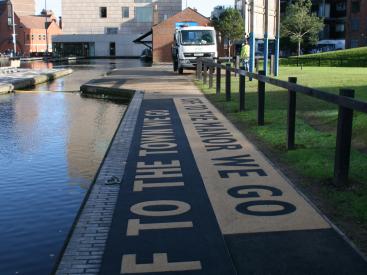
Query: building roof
(182,12)
(34,22)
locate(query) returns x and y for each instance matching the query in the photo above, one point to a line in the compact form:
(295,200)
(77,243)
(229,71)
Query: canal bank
(52,141)
(182,190)
(26,78)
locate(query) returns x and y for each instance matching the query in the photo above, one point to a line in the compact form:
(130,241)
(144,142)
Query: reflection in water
(51,145)
(84,70)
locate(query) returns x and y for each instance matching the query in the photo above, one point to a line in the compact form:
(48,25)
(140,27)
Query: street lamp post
(46,21)
(11,17)
(14,34)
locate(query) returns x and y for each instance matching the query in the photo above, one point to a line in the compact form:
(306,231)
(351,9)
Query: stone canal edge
(239,211)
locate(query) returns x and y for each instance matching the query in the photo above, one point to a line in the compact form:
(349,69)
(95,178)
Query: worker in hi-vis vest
(245,54)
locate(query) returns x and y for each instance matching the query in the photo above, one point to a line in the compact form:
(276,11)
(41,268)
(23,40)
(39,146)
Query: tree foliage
(231,25)
(299,24)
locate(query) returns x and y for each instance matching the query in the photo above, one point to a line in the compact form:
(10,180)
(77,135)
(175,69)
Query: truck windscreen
(197,37)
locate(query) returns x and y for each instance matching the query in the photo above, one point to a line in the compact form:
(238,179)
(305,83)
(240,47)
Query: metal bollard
(261,101)
(218,78)
(291,119)
(242,87)
(228,82)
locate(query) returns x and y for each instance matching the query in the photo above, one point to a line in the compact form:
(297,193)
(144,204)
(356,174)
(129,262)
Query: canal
(52,142)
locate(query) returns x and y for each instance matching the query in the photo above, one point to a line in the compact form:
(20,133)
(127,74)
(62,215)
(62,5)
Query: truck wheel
(180,70)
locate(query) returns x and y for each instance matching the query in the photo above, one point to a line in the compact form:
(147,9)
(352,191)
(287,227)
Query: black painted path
(198,198)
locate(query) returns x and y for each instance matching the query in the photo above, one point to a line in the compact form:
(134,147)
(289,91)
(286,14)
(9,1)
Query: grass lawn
(356,57)
(315,132)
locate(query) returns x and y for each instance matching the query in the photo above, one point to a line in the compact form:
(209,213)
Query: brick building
(23,7)
(30,31)
(162,33)
(108,28)
(356,27)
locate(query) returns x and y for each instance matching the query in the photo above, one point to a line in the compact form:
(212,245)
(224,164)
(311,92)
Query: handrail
(345,101)
(342,101)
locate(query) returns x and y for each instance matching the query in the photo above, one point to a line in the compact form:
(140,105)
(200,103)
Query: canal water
(51,145)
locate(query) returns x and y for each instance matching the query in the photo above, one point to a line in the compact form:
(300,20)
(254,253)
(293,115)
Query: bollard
(272,64)
(261,101)
(242,89)
(291,119)
(237,65)
(211,71)
(218,78)
(228,82)
(205,74)
(199,68)
(343,141)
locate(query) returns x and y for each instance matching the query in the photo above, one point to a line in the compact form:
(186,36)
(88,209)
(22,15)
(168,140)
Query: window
(340,6)
(144,14)
(354,43)
(39,37)
(111,30)
(103,12)
(44,37)
(125,12)
(354,25)
(32,37)
(28,37)
(339,27)
(355,6)
(197,37)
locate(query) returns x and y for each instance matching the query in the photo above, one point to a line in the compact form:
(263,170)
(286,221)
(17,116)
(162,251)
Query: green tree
(231,26)
(299,24)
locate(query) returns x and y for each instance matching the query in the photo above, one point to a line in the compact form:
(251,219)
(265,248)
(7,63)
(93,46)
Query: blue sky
(203,6)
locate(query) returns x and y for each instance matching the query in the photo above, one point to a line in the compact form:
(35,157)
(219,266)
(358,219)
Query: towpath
(182,191)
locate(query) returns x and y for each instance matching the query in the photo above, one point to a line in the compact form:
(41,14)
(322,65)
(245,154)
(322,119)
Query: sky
(203,6)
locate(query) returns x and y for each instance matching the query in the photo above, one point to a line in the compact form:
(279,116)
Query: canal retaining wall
(29,78)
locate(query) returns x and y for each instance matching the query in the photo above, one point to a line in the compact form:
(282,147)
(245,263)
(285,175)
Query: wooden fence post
(211,71)
(218,79)
(205,78)
(291,120)
(272,64)
(198,69)
(228,82)
(237,64)
(242,90)
(343,141)
(261,101)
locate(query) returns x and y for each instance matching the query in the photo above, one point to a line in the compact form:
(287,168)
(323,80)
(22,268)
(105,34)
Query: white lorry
(191,43)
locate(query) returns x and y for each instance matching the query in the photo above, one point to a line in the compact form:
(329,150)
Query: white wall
(82,23)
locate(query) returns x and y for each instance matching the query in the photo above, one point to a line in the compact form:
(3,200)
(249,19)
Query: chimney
(60,22)
(155,14)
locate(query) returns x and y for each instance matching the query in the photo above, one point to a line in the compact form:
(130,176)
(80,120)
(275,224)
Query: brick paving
(83,253)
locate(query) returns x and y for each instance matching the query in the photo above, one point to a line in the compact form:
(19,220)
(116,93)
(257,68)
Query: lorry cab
(191,43)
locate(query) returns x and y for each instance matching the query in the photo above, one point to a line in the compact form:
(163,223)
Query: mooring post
(228,81)
(261,101)
(343,141)
(242,89)
(291,119)
(218,79)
